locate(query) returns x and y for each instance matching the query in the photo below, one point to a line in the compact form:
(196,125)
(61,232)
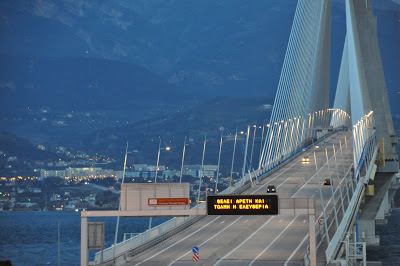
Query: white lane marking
(285,169)
(313,195)
(294,252)
(307,233)
(284,181)
(246,221)
(320,168)
(244,241)
(206,240)
(222,222)
(304,221)
(280,220)
(270,244)
(178,241)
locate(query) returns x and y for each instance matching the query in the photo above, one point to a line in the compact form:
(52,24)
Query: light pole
(233,158)
(261,143)
(219,159)
(158,158)
(202,168)
(155,178)
(183,158)
(252,146)
(119,206)
(245,151)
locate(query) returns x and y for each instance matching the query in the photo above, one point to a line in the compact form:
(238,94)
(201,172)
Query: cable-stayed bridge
(342,159)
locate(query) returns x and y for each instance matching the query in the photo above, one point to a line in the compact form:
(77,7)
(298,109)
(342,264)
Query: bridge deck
(256,240)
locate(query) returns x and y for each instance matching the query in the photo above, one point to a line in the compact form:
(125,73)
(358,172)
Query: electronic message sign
(242,205)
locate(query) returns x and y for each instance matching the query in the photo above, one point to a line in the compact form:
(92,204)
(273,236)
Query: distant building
(82,173)
(134,174)
(170,173)
(47,173)
(140,167)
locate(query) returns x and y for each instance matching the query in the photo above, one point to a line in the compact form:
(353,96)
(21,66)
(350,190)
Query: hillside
(18,156)
(206,118)
(79,83)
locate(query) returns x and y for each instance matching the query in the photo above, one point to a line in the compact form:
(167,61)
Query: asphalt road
(272,240)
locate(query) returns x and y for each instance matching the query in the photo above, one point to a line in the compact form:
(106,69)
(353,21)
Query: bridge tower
(361,89)
(302,100)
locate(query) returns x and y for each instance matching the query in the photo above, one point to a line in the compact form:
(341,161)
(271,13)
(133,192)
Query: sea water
(31,238)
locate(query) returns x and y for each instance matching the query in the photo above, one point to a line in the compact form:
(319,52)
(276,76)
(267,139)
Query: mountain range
(132,57)
(229,47)
(81,83)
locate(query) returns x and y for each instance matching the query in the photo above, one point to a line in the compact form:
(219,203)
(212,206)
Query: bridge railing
(146,239)
(366,158)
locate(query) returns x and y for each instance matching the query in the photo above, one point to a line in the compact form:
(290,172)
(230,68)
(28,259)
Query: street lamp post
(261,143)
(202,168)
(158,158)
(219,159)
(252,146)
(155,178)
(119,206)
(183,158)
(233,158)
(245,151)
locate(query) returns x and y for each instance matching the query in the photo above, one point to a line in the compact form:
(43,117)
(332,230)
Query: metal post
(58,225)
(202,168)
(337,172)
(233,158)
(245,152)
(252,146)
(364,251)
(84,241)
(269,152)
(158,159)
(331,185)
(344,171)
(261,146)
(155,178)
(119,207)
(347,249)
(219,159)
(276,150)
(311,227)
(351,175)
(322,198)
(183,158)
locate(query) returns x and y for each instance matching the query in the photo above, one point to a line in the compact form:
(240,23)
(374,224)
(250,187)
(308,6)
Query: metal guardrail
(155,235)
(344,224)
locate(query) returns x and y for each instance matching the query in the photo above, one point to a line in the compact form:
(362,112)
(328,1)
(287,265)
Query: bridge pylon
(361,88)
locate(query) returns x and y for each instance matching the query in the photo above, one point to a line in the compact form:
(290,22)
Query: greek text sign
(168,201)
(242,205)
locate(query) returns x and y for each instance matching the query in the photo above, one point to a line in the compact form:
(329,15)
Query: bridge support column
(84,242)
(313,249)
(384,209)
(374,208)
(367,232)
